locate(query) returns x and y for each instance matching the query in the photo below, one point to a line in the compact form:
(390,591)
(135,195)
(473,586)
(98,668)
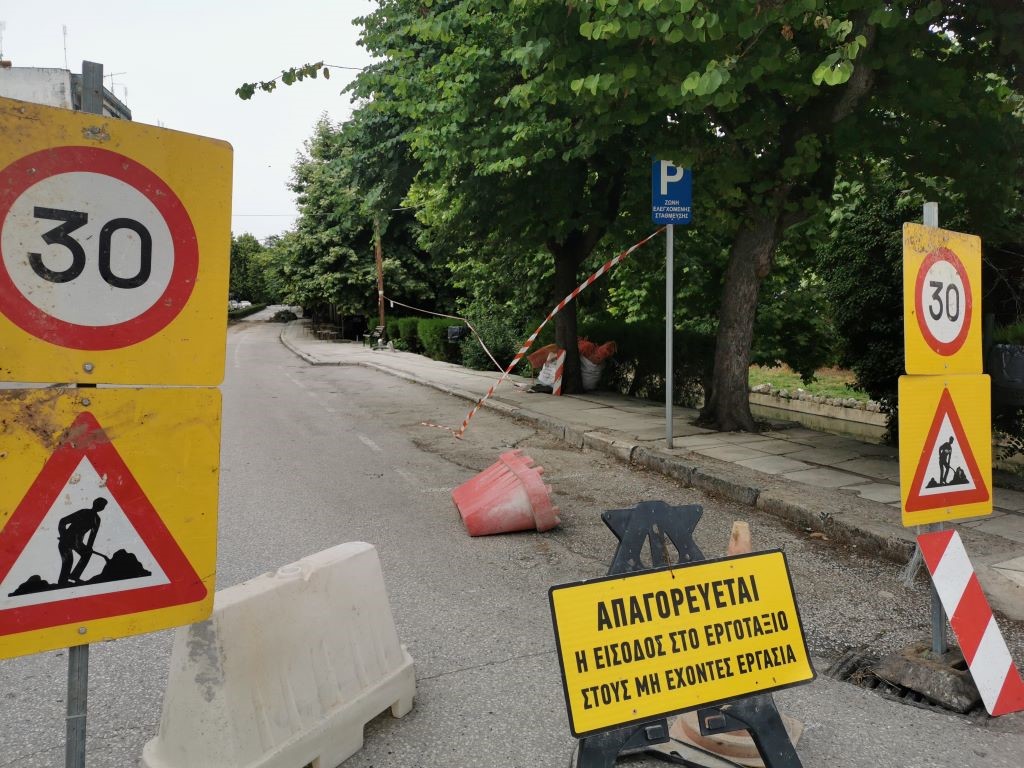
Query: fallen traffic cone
(508,496)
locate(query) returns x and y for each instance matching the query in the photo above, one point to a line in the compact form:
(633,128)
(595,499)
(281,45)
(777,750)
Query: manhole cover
(856,666)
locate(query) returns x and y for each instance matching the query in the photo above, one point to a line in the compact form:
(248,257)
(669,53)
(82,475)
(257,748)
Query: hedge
(433,336)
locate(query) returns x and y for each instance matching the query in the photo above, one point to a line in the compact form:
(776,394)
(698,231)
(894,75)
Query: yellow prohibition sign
(640,646)
(945,448)
(941,301)
(114,249)
(108,513)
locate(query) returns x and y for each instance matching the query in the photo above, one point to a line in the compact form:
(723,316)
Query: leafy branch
(288,76)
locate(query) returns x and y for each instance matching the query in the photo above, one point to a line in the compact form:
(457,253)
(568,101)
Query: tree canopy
(522,133)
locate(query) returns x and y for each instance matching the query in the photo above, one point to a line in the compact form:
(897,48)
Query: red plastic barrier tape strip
(970,616)
(607,266)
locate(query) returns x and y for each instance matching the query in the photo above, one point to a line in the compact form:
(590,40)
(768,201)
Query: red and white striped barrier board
(556,388)
(607,266)
(970,616)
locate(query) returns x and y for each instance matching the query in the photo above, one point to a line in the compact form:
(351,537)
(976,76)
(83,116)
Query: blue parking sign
(671,193)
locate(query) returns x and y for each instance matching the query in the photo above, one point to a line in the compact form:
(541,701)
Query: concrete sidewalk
(846,489)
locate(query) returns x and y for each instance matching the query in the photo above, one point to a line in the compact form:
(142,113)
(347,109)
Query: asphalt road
(315,456)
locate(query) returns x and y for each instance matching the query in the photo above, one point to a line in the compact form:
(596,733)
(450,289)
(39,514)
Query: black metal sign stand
(658,524)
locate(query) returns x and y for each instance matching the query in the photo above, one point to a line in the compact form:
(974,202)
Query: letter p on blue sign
(671,193)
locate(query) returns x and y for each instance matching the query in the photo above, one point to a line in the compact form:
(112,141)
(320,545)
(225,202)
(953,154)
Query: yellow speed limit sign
(640,646)
(114,247)
(108,513)
(941,300)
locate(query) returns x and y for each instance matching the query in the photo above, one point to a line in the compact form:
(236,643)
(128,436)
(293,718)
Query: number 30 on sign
(941,284)
(114,241)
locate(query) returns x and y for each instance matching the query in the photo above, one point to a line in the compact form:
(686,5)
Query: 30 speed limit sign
(941,284)
(114,247)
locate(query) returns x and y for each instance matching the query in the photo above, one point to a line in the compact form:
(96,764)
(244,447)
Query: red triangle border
(918,503)
(85,438)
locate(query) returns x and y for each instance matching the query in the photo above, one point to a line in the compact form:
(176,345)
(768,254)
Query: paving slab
(826,456)
(1004,498)
(733,452)
(648,434)
(1006,526)
(692,442)
(883,469)
(1012,569)
(773,464)
(886,493)
(824,478)
(775,446)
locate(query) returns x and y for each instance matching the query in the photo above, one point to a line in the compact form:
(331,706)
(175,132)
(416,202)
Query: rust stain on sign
(35,413)
(96,133)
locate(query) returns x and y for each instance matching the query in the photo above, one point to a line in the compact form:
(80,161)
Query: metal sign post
(669,330)
(930,218)
(78,700)
(78,655)
(671,203)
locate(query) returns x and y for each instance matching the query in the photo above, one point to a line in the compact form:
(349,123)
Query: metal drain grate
(855,666)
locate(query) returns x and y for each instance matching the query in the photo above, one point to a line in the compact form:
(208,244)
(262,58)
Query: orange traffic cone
(508,496)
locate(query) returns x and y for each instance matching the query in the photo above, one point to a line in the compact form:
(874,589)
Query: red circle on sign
(945,348)
(22,174)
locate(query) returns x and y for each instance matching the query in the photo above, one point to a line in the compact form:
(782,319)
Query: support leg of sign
(759,716)
(602,749)
(78,699)
(669,330)
(657,524)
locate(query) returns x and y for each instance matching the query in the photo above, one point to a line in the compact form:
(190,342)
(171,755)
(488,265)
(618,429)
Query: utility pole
(379,256)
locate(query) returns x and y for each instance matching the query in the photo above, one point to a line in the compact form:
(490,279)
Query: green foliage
(638,368)
(392,328)
(502,334)
(521,135)
(433,335)
(828,384)
(408,329)
(1009,334)
(247,276)
(237,314)
(860,263)
(288,76)
(284,316)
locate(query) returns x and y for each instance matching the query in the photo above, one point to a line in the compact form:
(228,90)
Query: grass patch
(828,382)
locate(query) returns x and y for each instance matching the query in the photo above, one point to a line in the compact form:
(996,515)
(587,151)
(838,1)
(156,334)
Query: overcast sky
(181,61)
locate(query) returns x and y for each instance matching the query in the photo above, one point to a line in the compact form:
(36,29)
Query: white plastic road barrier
(287,671)
(981,642)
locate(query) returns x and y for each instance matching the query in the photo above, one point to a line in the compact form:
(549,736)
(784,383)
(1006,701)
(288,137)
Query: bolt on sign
(941,300)
(640,646)
(108,513)
(114,247)
(945,448)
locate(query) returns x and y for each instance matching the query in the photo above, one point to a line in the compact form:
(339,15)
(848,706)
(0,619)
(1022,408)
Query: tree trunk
(566,279)
(727,404)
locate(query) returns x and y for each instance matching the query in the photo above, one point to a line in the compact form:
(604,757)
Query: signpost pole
(669,329)
(78,699)
(930,218)
(78,655)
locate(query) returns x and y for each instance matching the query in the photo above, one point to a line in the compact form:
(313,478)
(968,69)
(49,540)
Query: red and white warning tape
(970,616)
(556,388)
(608,265)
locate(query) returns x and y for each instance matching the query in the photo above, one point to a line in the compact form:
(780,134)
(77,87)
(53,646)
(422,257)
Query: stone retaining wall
(841,416)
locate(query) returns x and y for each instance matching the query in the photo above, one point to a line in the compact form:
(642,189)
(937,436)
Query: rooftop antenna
(111,76)
(65,28)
